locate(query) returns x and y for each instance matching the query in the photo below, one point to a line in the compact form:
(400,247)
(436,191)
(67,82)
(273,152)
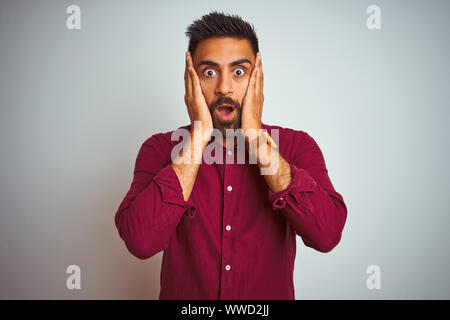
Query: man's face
(223,67)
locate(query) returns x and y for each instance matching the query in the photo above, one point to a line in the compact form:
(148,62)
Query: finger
(185,66)
(260,76)
(260,68)
(188,79)
(186,72)
(252,81)
(189,61)
(196,87)
(194,83)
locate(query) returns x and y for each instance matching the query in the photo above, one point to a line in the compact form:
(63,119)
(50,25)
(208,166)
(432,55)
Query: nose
(224,86)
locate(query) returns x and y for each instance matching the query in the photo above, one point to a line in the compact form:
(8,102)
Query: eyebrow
(215,64)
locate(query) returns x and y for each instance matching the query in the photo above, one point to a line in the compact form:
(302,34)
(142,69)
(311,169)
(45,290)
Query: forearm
(275,169)
(302,191)
(140,220)
(154,204)
(318,216)
(281,179)
(188,162)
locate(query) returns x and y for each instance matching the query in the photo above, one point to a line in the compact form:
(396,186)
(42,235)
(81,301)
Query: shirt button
(229,188)
(281,198)
(230,152)
(227,267)
(228,227)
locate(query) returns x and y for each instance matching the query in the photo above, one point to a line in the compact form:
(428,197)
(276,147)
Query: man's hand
(195,101)
(189,159)
(251,120)
(254,99)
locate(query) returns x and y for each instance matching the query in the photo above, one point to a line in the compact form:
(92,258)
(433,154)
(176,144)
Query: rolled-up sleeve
(152,208)
(310,203)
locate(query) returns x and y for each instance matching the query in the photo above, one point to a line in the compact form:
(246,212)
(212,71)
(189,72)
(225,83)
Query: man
(227,230)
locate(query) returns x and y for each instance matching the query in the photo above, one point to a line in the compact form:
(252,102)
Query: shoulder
(160,145)
(292,142)
(293,136)
(163,139)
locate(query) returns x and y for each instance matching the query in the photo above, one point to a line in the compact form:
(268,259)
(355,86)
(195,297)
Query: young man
(227,229)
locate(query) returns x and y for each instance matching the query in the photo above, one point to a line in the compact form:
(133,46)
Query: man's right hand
(189,159)
(195,101)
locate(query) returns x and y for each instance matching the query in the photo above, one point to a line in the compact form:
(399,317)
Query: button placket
(226,218)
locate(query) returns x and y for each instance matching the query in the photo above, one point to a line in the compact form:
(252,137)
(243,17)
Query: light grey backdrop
(77,105)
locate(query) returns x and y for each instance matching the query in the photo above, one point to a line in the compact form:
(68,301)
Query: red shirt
(234,238)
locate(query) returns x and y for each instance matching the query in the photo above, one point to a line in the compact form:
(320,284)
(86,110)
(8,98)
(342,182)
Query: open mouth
(225,111)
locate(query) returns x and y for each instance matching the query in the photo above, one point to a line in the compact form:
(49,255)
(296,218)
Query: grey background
(77,105)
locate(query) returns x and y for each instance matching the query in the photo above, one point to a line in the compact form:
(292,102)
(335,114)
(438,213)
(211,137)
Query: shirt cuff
(171,190)
(302,181)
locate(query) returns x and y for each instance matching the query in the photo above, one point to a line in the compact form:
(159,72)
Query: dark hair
(219,24)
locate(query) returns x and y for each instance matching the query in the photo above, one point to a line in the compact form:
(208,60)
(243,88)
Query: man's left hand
(254,99)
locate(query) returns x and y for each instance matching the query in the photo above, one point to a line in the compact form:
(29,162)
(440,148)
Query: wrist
(201,132)
(259,148)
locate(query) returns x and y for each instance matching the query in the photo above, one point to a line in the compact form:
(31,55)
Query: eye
(209,72)
(239,72)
